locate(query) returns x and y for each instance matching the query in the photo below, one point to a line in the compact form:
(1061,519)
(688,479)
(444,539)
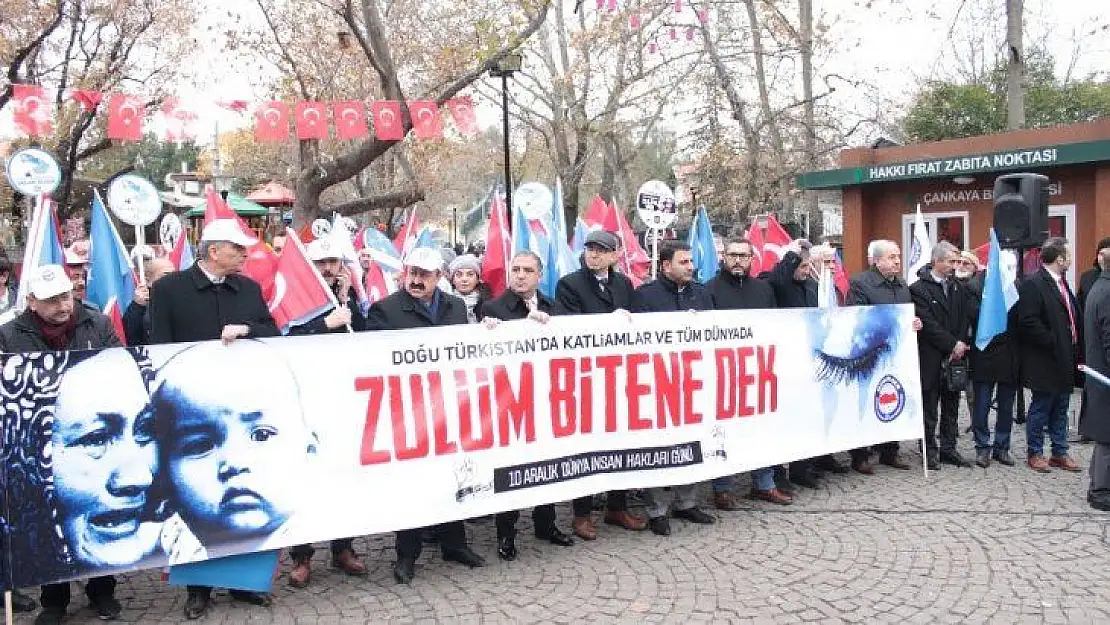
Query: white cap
(425,258)
(73,259)
(47,281)
(226,230)
(321,249)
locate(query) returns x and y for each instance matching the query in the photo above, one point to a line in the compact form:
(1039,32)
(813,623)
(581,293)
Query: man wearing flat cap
(422,304)
(597,288)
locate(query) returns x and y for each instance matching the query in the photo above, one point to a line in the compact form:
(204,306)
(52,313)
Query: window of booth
(951,226)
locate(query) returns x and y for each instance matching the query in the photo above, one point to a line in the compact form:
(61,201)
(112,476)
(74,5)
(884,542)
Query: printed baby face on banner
(232,450)
(105,461)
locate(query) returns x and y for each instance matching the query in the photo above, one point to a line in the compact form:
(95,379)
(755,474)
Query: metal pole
(505,132)
(454,226)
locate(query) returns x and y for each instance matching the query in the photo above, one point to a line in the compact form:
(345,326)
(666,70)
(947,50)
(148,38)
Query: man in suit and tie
(1048,322)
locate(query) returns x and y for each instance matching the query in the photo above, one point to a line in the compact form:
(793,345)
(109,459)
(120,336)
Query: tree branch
(379,201)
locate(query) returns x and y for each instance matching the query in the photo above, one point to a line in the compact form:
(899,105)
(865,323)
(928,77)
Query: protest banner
(134,458)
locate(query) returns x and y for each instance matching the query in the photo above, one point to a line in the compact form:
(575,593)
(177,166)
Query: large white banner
(125,459)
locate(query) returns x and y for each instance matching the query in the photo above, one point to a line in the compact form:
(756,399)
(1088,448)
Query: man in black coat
(734,288)
(522,300)
(1048,323)
(136,320)
(674,290)
(1086,283)
(421,304)
(944,307)
(598,288)
(1096,319)
(881,284)
(343,318)
(212,300)
(55,320)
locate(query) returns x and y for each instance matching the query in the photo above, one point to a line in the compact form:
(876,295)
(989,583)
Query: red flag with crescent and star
(32,114)
(125,117)
(425,119)
(387,120)
(350,120)
(299,293)
(178,121)
(271,122)
(312,120)
(88,100)
(462,111)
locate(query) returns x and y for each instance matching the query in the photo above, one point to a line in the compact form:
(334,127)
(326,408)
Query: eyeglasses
(739,255)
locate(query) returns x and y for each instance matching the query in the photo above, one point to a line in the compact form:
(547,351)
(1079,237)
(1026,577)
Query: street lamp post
(507,66)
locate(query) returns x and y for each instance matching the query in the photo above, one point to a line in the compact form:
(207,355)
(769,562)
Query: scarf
(56,336)
(471,300)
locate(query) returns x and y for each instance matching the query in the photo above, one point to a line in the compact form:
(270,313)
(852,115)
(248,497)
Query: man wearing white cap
(55,321)
(212,300)
(421,304)
(326,257)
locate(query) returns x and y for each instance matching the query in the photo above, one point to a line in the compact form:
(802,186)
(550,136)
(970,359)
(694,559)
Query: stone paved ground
(1002,545)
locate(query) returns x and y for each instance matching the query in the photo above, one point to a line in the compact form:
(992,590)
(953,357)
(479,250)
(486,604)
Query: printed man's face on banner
(105,461)
(233,451)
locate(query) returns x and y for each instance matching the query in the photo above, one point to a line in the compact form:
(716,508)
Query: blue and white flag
(703,248)
(999,294)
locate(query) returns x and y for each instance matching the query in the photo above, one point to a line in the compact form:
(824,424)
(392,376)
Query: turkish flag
(32,114)
(499,245)
(462,111)
(235,106)
(600,215)
(387,120)
(312,120)
(125,117)
(178,121)
(300,294)
(425,119)
(755,237)
(350,120)
(271,122)
(775,241)
(88,100)
(377,284)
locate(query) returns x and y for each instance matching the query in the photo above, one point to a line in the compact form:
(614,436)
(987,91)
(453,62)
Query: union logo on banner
(890,399)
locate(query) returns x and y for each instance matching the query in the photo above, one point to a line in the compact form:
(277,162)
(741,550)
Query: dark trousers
(304,552)
(409,543)
(57,595)
(863,454)
(615,501)
(543,517)
(949,408)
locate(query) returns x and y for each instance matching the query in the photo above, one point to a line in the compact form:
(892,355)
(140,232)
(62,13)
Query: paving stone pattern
(1002,545)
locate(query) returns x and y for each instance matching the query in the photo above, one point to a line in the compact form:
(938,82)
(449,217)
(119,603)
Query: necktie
(1071,314)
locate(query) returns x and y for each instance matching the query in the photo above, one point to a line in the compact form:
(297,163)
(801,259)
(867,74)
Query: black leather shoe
(464,555)
(1099,503)
(23,603)
(1004,457)
(260,599)
(404,570)
(557,537)
(506,549)
(804,479)
(983,459)
(954,458)
(106,608)
(196,605)
(51,616)
(830,464)
(932,461)
(660,526)
(695,515)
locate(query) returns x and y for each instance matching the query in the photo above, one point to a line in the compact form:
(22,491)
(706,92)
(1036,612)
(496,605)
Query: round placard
(169,230)
(134,200)
(534,199)
(655,204)
(321,228)
(32,171)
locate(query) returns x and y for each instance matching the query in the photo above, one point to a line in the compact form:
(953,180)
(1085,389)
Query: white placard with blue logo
(479,421)
(33,172)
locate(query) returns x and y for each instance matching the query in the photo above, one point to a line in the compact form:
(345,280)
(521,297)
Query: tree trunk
(1015,68)
(805,41)
(770,119)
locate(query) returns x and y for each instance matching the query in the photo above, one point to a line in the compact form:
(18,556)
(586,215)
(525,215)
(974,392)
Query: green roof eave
(237,203)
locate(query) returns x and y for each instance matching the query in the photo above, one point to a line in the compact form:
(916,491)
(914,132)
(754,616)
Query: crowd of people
(211,300)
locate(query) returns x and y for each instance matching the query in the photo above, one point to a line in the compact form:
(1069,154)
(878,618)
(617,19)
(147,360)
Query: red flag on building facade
(125,117)
(312,120)
(271,122)
(387,120)
(32,112)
